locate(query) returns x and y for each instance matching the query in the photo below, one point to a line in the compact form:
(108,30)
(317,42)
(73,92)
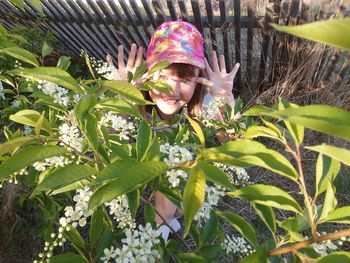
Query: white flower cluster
(327,246)
(213,195)
(77,215)
(18,64)
(57,240)
(210,111)
(236,175)
(138,246)
(119,209)
(2,94)
(27,130)
(237,246)
(70,135)
(58,93)
(173,176)
(105,70)
(54,161)
(13,177)
(175,154)
(125,129)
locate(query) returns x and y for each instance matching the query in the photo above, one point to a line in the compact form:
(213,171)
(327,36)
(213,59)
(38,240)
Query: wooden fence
(238,29)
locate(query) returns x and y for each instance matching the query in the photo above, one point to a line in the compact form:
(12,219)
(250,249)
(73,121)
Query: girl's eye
(185,80)
(163,77)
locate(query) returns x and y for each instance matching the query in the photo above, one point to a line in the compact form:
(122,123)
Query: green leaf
(330,202)
(125,90)
(291,225)
(67,257)
(267,216)
(158,66)
(78,242)
(46,49)
(154,151)
(193,196)
(267,195)
(326,170)
(261,131)
(63,62)
(3,30)
(37,4)
(27,157)
(296,131)
(140,70)
(323,118)
(215,175)
(337,153)
(71,187)
(88,63)
(30,118)
(190,258)
(257,111)
(64,176)
(339,215)
(143,142)
(119,106)
(259,256)
(334,32)
(133,201)
(39,124)
(211,252)
(335,257)
(131,178)
(20,54)
(96,226)
(12,145)
(246,153)
(149,213)
(197,128)
(18,3)
(106,242)
(209,227)
(51,74)
(241,225)
(159,85)
(90,131)
(17,38)
(85,105)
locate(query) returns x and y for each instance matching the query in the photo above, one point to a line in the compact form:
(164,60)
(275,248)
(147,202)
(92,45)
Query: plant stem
(305,243)
(166,223)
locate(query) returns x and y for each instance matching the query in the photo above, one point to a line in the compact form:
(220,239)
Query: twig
(299,245)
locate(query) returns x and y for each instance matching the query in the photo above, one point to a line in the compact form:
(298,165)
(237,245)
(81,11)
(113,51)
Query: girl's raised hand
(219,82)
(134,60)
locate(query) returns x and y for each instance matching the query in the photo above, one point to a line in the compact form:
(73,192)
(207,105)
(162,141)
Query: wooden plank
(275,19)
(141,19)
(266,43)
(132,21)
(210,23)
(237,14)
(183,10)
(304,13)
(293,12)
(343,71)
(250,34)
(225,28)
(197,15)
(159,11)
(149,13)
(172,11)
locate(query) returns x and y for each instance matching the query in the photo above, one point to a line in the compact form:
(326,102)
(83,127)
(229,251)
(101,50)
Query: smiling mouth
(170,100)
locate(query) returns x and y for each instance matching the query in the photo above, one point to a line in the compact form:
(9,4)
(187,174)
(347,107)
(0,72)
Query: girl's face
(182,90)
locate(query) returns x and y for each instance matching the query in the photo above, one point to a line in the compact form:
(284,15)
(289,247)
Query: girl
(181,44)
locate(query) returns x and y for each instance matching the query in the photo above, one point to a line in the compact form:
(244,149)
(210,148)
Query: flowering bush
(64,136)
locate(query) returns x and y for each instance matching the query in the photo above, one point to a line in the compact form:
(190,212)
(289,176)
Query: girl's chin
(169,108)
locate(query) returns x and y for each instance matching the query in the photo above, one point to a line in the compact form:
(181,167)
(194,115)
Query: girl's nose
(175,88)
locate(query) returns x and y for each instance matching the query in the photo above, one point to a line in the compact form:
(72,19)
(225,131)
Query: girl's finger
(109,60)
(139,57)
(121,64)
(204,82)
(208,69)
(214,61)
(132,54)
(222,63)
(234,71)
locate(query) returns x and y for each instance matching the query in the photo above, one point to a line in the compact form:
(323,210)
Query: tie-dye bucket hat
(176,42)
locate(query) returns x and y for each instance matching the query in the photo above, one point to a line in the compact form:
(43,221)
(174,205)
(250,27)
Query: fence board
(171,7)
(209,9)
(251,5)
(197,15)
(159,11)
(183,10)
(237,14)
(225,28)
(149,13)
(140,18)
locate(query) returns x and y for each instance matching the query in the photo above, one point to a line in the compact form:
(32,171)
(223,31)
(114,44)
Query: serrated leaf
(143,141)
(125,90)
(133,201)
(339,215)
(247,153)
(260,131)
(85,105)
(20,54)
(190,258)
(106,242)
(340,154)
(96,226)
(326,171)
(209,227)
(241,225)
(119,106)
(211,252)
(78,242)
(140,70)
(267,216)
(11,145)
(193,196)
(67,257)
(258,256)
(149,214)
(330,202)
(76,185)
(131,178)
(30,118)
(158,66)
(215,175)
(63,62)
(46,49)
(65,176)
(257,111)
(198,130)
(267,195)
(27,157)
(51,74)
(334,32)
(335,257)
(39,124)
